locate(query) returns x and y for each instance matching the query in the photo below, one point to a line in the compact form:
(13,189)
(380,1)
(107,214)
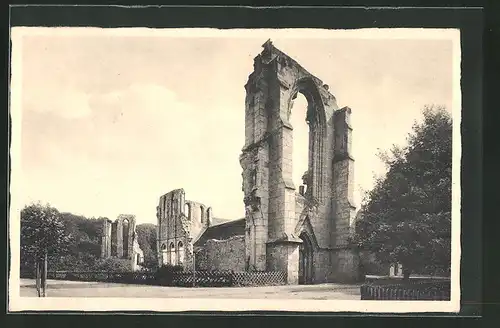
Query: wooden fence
(103,276)
(180,279)
(428,291)
(269,278)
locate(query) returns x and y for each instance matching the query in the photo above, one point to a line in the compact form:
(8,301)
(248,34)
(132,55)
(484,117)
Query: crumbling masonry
(180,223)
(303,234)
(119,240)
(301,230)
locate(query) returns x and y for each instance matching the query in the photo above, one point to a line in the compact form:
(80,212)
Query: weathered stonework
(228,254)
(281,216)
(180,223)
(300,230)
(119,239)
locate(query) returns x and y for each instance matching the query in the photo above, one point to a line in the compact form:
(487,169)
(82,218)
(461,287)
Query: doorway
(305,260)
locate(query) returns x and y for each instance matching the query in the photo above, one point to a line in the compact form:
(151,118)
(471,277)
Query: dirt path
(61,288)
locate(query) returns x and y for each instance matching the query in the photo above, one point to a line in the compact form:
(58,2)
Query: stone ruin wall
(271,199)
(114,245)
(274,206)
(228,254)
(180,220)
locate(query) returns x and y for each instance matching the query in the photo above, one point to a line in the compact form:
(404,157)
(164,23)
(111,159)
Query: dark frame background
(469,21)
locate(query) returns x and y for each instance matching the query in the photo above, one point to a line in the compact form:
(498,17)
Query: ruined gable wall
(170,226)
(179,220)
(197,217)
(270,195)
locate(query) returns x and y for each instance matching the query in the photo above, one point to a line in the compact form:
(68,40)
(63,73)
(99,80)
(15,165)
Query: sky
(112,122)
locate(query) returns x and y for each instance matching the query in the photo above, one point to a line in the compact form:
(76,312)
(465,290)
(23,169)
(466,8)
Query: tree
(42,234)
(113,265)
(407,216)
(146,237)
(84,243)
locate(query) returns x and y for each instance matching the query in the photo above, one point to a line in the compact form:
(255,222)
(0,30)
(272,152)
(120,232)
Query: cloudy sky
(111,122)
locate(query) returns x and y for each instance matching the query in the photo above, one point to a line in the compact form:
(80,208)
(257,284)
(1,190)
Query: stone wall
(226,254)
(284,257)
(273,207)
(198,216)
(121,243)
(106,239)
(345,265)
(180,222)
(114,251)
(137,255)
(321,266)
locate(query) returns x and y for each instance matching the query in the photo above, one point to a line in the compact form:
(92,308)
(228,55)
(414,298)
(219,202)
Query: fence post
(38,277)
(44,275)
(194,268)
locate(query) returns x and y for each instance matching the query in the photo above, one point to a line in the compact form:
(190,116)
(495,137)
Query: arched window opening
(125,235)
(202,214)
(187,210)
(209,214)
(164,254)
(300,144)
(180,250)
(172,259)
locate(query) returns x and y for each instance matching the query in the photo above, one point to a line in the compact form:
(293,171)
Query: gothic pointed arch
(270,195)
(304,227)
(306,259)
(310,90)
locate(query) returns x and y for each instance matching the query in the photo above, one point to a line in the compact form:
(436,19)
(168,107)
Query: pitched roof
(217,221)
(223,231)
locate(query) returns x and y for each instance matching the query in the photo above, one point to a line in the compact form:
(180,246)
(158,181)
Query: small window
(164,254)
(172,259)
(202,216)
(180,249)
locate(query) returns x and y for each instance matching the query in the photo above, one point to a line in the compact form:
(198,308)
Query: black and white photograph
(239,169)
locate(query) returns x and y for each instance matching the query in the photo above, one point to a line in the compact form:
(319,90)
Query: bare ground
(61,288)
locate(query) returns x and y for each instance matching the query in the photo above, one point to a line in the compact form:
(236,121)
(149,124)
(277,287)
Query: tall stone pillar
(132,235)
(159,252)
(119,239)
(346,258)
(282,245)
(267,170)
(254,161)
(108,245)
(106,239)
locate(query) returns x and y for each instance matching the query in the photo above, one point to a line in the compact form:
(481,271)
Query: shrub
(165,274)
(113,265)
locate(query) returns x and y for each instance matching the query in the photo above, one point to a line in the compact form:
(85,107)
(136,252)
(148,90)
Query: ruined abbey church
(119,240)
(300,230)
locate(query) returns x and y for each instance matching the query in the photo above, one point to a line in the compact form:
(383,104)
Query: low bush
(164,275)
(112,265)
